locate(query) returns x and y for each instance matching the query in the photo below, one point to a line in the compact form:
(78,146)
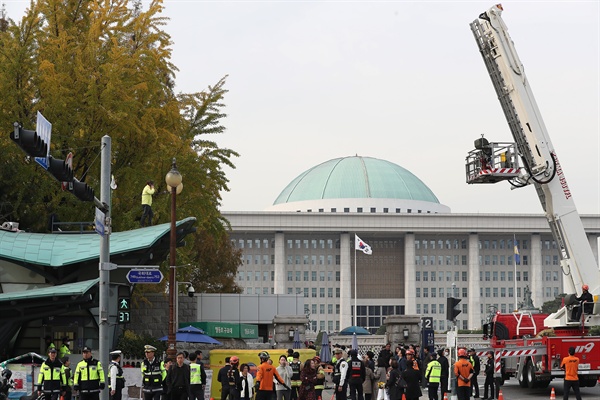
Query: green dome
(353,178)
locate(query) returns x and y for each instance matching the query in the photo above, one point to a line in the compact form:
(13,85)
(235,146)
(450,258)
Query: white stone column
(474,301)
(345,281)
(593,239)
(536,276)
(410,299)
(279,263)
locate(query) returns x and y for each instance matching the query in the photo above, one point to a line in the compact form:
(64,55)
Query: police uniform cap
(112,353)
(148,348)
(86,349)
(52,350)
(337,350)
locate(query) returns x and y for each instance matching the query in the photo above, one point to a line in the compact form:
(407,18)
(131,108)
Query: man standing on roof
(463,370)
(147,193)
(263,384)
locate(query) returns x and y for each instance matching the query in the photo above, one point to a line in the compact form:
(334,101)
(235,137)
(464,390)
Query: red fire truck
(529,345)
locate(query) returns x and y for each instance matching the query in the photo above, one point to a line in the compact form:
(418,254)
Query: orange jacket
(463,369)
(570,364)
(265,375)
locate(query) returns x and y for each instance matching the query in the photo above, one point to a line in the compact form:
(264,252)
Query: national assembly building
(304,244)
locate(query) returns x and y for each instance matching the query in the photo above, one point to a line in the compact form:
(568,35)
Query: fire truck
(527,344)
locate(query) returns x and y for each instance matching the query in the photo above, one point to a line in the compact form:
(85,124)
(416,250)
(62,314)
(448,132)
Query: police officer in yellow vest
(296,365)
(89,376)
(51,379)
(433,373)
(153,374)
(64,349)
(68,393)
(320,382)
(116,380)
(197,378)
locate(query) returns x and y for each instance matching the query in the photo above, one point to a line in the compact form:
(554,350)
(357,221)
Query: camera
(191,290)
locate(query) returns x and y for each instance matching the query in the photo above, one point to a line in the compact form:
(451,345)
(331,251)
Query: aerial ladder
(532,160)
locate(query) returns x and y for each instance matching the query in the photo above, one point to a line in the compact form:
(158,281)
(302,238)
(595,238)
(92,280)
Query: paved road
(512,391)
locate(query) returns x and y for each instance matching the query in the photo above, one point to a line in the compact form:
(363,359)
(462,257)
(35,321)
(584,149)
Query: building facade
(422,253)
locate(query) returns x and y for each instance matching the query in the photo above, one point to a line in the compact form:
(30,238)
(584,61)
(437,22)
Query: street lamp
(173,180)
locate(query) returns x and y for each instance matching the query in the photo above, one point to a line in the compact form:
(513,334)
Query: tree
(96,68)
(552,306)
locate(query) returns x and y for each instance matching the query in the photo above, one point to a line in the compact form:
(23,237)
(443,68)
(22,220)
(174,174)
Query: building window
(313,292)
(305,292)
(321,308)
(322,292)
(305,276)
(373,209)
(298,276)
(464,292)
(464,276)
(329,292)
(418,292)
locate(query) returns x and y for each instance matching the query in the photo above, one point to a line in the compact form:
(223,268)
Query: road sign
(144,276)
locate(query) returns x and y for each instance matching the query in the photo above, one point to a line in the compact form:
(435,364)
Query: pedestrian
(426,360)
(570,364)
(445,365)
(178,379)
(68,390)
(340,375)
(165,395)
(197,377)
(433,374)
(222,379)
(64,349)
(489,377)
(265,377)
(116,380)
(357,376)
(246,387)
(89,376)
(385,354)
(285,371)
(410,356)
(474,358)
(147,193)
(320,383)
(412,376)
(369,379)
(381,377)
(296,365)
(463,370)
(308,378)
(49,343)
(51,379)
(233,377)
(395,384)
(153,374)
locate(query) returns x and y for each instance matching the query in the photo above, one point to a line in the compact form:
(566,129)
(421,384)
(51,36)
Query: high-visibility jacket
(195,374)
(68,376)
(116,370)
(153,375)
(296,367)
(51,377)
(147,195)
(63,351)
(89,375)
(433,372)
(320,382)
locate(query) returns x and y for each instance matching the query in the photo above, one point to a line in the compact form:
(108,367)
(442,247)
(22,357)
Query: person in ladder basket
(116,380)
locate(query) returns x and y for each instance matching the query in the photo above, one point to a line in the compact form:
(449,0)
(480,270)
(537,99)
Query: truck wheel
(523,379)
(530,373)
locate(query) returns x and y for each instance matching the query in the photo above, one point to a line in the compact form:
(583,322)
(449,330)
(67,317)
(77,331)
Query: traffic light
(124,310)
(451,308)
(30,141)
(60,170)
(82,191)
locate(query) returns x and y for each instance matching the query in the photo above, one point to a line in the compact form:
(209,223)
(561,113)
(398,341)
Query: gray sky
(402,81)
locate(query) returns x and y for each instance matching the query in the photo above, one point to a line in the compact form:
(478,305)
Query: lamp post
(173,180)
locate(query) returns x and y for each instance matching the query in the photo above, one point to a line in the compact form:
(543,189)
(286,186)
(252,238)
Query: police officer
(153,374)
(474,358)
(296,365)
(51,379)
(197,378)
(340,375)
(64,349)
(89,376)
(68,392)
(358,374)
(116,380)
(49,343)
(433,374)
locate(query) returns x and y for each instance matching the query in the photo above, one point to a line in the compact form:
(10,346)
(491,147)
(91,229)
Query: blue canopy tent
(192,334)
(359,330)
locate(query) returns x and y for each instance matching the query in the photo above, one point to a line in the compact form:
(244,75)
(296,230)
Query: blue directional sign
(144,276)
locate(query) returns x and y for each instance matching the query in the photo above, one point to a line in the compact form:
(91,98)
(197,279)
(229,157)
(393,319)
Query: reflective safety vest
(63,351)
(195,374)
(296,366)
(51,377)
(434,371)
(320,382)
(88,375)
(355,369)
(153,374)
(120,377)
(68,376)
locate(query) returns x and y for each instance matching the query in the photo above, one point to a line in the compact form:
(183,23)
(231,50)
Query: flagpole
(515,261)
(355,309)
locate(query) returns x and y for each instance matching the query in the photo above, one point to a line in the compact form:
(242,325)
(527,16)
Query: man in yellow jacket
(89,377)
(147,203)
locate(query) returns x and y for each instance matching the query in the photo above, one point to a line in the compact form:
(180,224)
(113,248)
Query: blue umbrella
(325,353)
(191,334)
(296,344)
(359,330)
